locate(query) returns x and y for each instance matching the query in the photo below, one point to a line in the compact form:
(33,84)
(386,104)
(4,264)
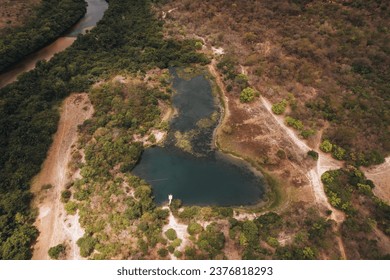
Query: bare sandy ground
(380,175)
(324,163)
(54,225)
(180,228)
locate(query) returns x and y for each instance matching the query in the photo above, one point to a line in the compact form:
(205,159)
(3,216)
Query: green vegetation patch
(51,18)
(29,116)
(248,95)
(57,252)
(279,108)
(171,234)
(349,191)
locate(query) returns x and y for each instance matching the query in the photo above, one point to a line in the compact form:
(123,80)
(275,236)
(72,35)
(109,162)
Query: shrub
(171,249)
(176,243)
(279,108)
(190,212)
(272,241)
(242,80)
(65,196)
(281,154)
(327,178)
(306,133)
(71,208)
(313,154)
(171,234)
(338,152)
(57,251)
(364,189)
(162,252)
(194,228)
(190,252)
(178,254)
(247,95)
(326,146)
(87,245)
(198,45)
(175,204)
(297,124)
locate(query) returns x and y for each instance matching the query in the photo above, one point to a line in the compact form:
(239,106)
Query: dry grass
(14,13)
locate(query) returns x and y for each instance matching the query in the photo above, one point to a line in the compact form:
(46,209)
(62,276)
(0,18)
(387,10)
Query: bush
(281,154)
(57,251)
(171,234)
(212,241)
(364,189)
(194,228)
(171,249)
(190,253)
(247,95)
(176,243)
(306,133)
(338,152)
(65,196)
(178,254)
(162,252)
(313,154)
(326,146)
(71,208)
(297,124)
(175,204)
(327,177)
(273,242)
(189,212)
(198,45)
(242,80)
(279,108)
(87,245)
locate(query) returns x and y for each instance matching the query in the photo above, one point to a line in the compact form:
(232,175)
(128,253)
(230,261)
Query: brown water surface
(95,12)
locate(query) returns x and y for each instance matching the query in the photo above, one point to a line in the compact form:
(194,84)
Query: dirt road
(54,225)
(380,175)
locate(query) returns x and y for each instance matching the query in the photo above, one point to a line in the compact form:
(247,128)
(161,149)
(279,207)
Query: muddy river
(95,12)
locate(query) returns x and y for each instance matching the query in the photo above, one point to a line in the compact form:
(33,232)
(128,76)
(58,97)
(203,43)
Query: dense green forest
(51,19)
(349,191)
(110,154)
(28,107)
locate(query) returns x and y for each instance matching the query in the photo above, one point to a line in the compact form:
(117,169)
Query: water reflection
(201,176)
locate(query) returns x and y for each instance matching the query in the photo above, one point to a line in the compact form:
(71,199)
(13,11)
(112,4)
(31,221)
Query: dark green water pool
(197,174)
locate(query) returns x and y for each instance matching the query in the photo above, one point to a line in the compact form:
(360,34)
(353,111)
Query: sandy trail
(181,231)
(325,162)
(54,225)
(380,175)
(289,132)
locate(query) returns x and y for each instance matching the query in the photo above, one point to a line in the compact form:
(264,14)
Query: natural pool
(188,166)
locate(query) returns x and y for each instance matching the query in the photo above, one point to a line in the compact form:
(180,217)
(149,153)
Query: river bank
(93,13)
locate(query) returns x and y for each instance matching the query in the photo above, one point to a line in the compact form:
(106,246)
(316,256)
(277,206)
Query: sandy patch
(218,51)
(180,228)
(159,136)
(380,175)
(54,225)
